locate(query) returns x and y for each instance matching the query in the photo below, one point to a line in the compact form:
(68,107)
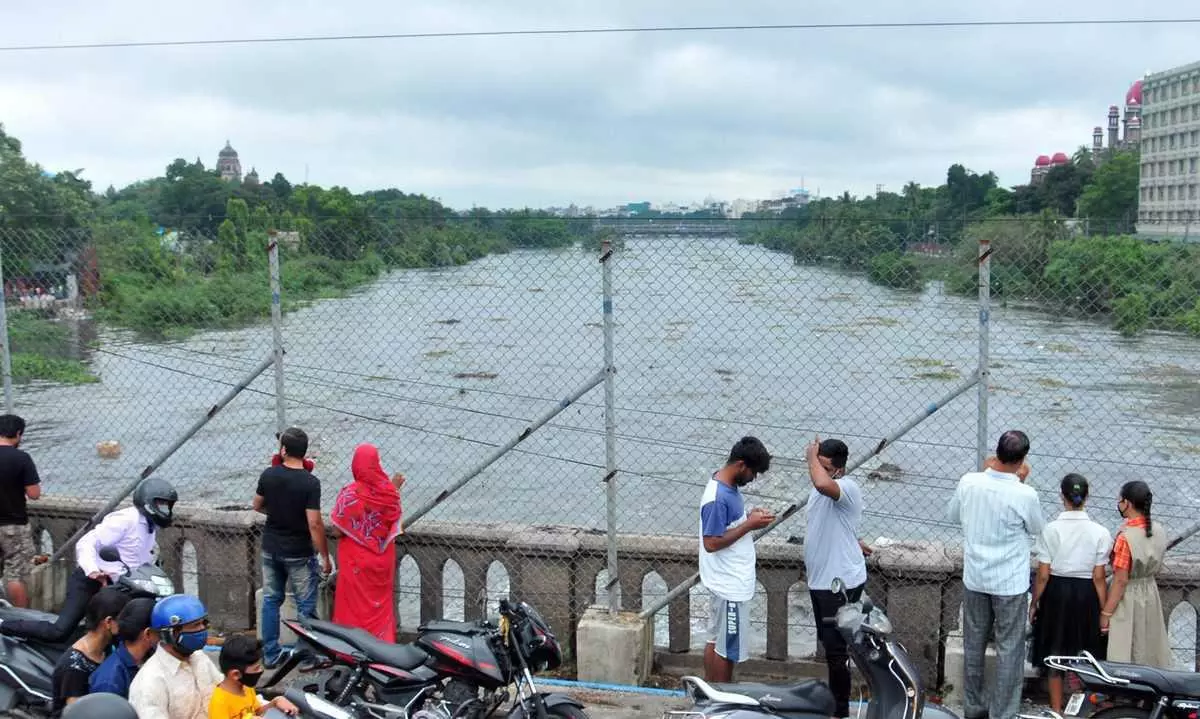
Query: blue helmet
(177,611)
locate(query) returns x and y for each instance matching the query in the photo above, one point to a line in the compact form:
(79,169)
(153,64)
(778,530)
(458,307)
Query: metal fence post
(5,345)
(277,335)
(985,299)
(610,427)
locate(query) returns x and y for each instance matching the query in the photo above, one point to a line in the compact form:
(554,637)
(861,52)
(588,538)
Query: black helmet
(100,706)
(155,498)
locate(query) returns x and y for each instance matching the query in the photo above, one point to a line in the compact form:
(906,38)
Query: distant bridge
(637,227)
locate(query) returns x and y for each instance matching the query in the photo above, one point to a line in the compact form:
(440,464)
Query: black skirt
(1067,621)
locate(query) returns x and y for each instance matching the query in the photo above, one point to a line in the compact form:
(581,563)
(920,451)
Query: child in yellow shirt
(241,662)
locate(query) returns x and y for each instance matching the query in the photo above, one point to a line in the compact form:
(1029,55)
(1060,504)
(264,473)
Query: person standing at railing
(19,483)
(727,556)
(1132,616)
(999,514)
(367,517)
(294,535)
(1072,554)
(832,550)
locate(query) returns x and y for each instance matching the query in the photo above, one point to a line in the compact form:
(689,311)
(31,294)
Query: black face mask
(250,680)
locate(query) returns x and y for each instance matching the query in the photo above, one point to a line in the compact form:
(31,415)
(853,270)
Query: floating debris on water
(434,354)
(1051,382)
(447,322)
(724,372)
(475,375)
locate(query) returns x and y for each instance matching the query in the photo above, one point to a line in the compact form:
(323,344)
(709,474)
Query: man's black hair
(134,619)
(753,453)
(11,425)
(108,602)
(240,652)
(294,442)
(836,451)
(1013,447)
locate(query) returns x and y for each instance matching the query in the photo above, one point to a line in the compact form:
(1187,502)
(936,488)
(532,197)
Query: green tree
(1112,196)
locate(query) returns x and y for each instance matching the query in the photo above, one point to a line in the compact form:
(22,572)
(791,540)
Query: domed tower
(252,177)
(1097,143)
(1133,111)
(228,164)
(1040,167)
(1114,116)
(1133,132)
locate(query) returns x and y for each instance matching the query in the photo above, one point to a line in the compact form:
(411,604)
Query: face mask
(192,642)
(250,680)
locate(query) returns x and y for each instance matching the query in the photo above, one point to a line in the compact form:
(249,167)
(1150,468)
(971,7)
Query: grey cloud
(637,115)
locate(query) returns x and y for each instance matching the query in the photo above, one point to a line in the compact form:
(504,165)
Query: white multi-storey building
(1169,188)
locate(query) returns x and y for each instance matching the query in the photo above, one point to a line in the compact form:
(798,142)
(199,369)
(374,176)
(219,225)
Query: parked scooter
(455,670)
(27,664)
(312,706)
(1128,691)
(895,685)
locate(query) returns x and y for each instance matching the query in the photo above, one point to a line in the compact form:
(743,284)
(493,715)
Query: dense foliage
(188,250)
(1063,243)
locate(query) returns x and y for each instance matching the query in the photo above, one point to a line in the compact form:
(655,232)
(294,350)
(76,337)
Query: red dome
(1042,161)
(1134,96)
(1060,158)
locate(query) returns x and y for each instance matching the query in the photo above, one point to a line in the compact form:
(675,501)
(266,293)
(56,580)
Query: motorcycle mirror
(110,554)
(837,586)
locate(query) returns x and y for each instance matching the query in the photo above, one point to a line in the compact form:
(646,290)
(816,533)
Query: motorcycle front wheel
(566,711)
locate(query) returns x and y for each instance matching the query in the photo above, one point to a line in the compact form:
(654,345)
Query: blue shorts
(728,628)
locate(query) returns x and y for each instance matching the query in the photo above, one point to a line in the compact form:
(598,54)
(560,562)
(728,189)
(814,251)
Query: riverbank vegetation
(188,250)
(1064,244)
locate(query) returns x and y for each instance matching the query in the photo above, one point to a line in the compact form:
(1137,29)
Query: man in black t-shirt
(19,482)
(294,535)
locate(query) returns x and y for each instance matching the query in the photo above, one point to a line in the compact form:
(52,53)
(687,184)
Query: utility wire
(659,29)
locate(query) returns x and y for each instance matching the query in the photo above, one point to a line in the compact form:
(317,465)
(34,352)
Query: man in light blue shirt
(999,514)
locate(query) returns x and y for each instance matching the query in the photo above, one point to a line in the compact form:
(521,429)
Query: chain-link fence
(444,349)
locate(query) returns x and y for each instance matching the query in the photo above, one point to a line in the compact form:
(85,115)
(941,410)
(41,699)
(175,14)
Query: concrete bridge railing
(556,569)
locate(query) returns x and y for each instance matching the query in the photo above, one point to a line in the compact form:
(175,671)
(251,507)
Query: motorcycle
(26,665)
(896,689)
(454,670)
(1128,691)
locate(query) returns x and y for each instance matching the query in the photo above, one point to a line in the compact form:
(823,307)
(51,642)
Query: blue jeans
(300,575)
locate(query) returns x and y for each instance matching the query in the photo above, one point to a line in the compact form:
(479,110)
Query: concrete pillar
(614,650)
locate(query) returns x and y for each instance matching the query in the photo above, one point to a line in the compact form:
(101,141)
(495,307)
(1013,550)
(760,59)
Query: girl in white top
(1072,554)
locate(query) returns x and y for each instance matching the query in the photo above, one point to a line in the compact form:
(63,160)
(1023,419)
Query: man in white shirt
(727,556)
(999,514)
(178,680)
(832,550)
(131,532)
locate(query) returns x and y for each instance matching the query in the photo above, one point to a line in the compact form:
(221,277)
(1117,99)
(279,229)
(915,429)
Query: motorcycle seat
(32,615)
(401,656)
(449,627)
(1166,682)
(810,695)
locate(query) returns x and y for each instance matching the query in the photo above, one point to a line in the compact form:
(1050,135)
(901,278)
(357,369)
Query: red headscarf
(368,509)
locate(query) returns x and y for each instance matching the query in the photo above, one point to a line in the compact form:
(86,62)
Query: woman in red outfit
(367,516)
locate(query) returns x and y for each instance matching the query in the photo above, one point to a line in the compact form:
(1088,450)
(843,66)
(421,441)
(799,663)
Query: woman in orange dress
(367,515)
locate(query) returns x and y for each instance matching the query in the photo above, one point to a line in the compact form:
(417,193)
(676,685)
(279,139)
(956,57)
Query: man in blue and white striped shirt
(999,514)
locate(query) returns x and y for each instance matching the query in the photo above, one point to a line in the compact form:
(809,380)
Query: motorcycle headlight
(143,585)
(162,586)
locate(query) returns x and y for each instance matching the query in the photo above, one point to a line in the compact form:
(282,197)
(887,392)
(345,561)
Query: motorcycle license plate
(1074,705)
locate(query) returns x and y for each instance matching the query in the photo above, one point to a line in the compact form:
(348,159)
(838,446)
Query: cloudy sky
(597,119)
